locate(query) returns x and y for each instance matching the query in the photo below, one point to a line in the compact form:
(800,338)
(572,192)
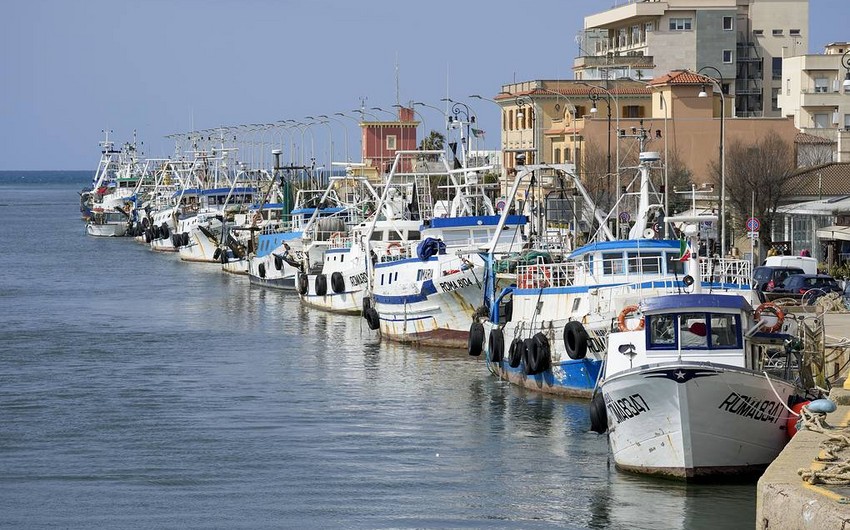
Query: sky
(71,69)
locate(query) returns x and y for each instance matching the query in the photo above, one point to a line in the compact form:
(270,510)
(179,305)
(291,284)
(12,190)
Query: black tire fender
(496,349)
(475,343)
(575,340)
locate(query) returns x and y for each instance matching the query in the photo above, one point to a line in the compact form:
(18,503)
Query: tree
(435,141)
(678,177)
(758,176)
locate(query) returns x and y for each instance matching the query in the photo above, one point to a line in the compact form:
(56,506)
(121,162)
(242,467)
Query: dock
(783,499)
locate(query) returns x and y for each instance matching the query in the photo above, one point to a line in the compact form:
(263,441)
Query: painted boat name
(750,407)
(627,407)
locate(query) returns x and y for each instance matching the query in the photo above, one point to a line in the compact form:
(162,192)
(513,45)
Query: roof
(680,77)
(832,179)
(573,87)
(705,301)
(811,139)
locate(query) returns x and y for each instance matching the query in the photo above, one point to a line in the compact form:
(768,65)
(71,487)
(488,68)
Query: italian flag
(684,250)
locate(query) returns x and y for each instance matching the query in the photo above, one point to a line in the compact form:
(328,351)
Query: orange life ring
(776,310)
(624,314)
(393,245)
(534,277)
(336,237)
(258,218)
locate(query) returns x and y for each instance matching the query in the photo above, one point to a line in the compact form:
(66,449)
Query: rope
(834,470)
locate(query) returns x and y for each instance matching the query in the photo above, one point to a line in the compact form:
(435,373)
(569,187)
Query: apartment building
(815,90)
(739,42)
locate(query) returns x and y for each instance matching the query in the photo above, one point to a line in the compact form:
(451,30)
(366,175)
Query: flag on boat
(478,133)
(684,250)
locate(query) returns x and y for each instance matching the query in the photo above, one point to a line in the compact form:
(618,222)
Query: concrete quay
(784,501)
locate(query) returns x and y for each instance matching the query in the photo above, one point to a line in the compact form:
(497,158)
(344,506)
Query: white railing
(539,275)
(725,270)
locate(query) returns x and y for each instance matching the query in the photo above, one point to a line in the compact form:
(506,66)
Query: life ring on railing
(336,238)
(534,277)
(776,310)
(258,218)
(394,244)
(624,314)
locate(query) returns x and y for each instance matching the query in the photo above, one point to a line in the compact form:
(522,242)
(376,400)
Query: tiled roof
(826,179)
(811,139)
(680,77)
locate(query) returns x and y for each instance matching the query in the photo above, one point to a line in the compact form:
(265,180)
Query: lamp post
(415,112)
(326,123)
(357,122)
(703,94)
(462,118)
(845,62)
(344,132)
(572,110)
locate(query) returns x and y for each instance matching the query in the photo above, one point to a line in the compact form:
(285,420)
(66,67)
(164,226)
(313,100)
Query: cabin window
(612,263)
(693,331)
(394,236)
(725,331)
(382,279)
(645,263)
(377,236)
(341,258)
(661,334)
(413,235)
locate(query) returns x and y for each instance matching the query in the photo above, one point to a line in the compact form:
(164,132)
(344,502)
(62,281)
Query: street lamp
(704,94)
(845,62)
(344,132)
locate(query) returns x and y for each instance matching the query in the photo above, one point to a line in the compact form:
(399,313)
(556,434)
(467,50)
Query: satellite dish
(649,233)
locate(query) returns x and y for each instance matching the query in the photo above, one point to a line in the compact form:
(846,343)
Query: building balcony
(810,98)
(614,61)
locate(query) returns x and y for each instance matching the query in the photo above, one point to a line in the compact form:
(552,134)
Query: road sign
(753,234)
(753,224)
(624,217)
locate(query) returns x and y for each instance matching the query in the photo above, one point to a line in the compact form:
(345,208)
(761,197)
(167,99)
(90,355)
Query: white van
(809,265)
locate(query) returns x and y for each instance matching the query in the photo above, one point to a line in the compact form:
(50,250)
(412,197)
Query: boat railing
(541,274)
(726,270)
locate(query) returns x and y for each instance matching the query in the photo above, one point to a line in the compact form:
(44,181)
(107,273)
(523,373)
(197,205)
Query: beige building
(554,121)
(816,94)
(739,42)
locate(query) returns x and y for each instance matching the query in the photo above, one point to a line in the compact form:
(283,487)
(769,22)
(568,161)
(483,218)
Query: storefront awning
(834,232)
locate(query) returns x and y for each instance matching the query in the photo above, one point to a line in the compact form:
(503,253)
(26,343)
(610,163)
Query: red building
(381,140)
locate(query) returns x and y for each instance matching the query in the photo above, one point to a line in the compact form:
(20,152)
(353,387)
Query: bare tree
(814,154)
(758,176)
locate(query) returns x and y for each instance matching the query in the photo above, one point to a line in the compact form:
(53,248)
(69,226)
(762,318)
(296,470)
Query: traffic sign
(624,217)
(753,235)
(753,224)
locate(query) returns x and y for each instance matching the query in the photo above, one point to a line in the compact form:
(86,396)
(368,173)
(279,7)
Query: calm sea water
(139,391)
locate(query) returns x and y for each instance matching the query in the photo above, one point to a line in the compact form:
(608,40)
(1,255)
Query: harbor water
(138,391)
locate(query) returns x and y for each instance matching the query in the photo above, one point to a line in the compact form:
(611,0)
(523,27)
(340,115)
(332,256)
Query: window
(391,142)
(724,331)
(693,331)
(661,333)
(680,24)
(413,235)
(758,32)
(847,122)
(633,111)
(674,265)
(727,56)
(821,85)
(821,120)
(557,157)
(776,64)
(650,27)
(645,263)
(794,32)
(612,263)
(727,23)
(777,33)
(774,98)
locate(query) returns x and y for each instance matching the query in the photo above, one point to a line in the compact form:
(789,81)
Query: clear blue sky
(73,68)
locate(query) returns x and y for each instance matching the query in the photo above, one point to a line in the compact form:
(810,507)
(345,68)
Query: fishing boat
(426,289)
(698,384)
(549,314)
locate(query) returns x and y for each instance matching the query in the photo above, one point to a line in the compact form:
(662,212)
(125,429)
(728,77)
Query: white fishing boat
(691,385)
(429,291)
(549,315)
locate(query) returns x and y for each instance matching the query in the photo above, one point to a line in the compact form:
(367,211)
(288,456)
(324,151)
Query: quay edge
(784,500)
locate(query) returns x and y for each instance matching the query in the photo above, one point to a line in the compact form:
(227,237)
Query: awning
(834,232)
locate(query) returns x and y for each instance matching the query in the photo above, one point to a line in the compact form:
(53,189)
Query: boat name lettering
(627,407)
(750,407)
(424,274)
(358,279)
(454,285)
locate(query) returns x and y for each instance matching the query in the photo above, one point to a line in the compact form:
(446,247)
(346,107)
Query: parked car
(767,278)
(807,287)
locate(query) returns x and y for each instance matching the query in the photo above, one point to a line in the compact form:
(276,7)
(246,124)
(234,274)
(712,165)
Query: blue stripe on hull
(426,289)
(570,377)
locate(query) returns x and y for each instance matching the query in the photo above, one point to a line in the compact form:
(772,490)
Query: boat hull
(689,420)
(572,378)
(106,230)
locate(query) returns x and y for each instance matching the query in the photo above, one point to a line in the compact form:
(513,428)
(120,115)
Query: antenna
(397,98)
